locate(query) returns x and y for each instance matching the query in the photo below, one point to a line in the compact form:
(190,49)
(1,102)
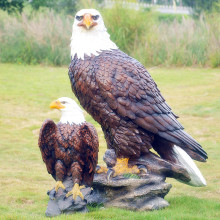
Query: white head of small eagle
(71,112)
(89,34)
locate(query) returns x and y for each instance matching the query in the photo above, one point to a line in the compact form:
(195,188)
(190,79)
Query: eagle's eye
(79,18)
(95,17)
(63,102)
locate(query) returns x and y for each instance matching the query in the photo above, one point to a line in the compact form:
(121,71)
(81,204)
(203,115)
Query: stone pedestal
(59,203)
(142,194)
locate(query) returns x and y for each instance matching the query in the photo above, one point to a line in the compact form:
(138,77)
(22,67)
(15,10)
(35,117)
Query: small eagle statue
(123,98)
(69,148)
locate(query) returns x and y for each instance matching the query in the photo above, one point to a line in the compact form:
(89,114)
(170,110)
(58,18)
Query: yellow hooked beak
(87,20)
(56,104)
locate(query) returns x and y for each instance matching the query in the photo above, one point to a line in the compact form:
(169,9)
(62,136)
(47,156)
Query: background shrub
(43,37)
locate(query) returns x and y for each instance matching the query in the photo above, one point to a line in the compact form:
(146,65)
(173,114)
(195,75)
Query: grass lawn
(25,95)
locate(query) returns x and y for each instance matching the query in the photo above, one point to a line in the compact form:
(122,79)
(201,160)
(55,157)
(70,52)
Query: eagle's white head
(71,112)
(89,35)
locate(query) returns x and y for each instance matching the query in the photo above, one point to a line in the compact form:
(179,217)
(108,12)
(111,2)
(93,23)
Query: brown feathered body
(69,150)
(122,97)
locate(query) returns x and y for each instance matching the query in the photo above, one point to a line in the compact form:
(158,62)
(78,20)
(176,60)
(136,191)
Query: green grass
(25,94)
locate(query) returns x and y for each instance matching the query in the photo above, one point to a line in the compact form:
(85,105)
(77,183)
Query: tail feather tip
(185,160)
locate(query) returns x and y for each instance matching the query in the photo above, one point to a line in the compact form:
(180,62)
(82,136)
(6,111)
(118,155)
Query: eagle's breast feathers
(68,144)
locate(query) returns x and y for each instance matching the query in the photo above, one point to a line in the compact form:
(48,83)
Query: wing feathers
(185,141)
(149,109)
(47,144)
(90,144)
(128,90)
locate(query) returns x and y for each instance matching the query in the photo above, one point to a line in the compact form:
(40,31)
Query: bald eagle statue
(123,98)
(69,147)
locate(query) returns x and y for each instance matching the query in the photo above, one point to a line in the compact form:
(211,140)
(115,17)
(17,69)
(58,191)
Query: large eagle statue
(69,147)
(122,97)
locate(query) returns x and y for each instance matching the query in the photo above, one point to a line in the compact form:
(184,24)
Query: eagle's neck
(72,118)
(92,42)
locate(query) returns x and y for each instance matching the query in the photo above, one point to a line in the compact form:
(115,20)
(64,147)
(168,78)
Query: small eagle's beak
(56,104)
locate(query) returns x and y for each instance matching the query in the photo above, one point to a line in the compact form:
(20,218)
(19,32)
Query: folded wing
(90,145)
(47,144)
(130,91)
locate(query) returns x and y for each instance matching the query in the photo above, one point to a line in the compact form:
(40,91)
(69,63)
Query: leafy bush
(45,37)
(128,27)
(169,18)
(156,39)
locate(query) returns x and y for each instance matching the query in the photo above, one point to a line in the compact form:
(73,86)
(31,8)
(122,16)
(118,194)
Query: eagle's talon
(101,169)
(110,174)
(76,192)
(58,185)
(97,168)
(143,169)
(121,167)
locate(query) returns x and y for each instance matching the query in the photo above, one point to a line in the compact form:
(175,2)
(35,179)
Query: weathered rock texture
(153,163)
(59,203)
(142,194)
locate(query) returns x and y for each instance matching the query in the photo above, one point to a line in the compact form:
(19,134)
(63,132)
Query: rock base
(60,204)
(143,193)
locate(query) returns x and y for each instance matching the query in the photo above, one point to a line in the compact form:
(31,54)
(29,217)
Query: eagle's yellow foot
(76,191)
(58,185)
(122,167)
(100,169)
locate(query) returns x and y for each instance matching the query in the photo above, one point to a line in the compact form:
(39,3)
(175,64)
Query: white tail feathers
(185,160)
